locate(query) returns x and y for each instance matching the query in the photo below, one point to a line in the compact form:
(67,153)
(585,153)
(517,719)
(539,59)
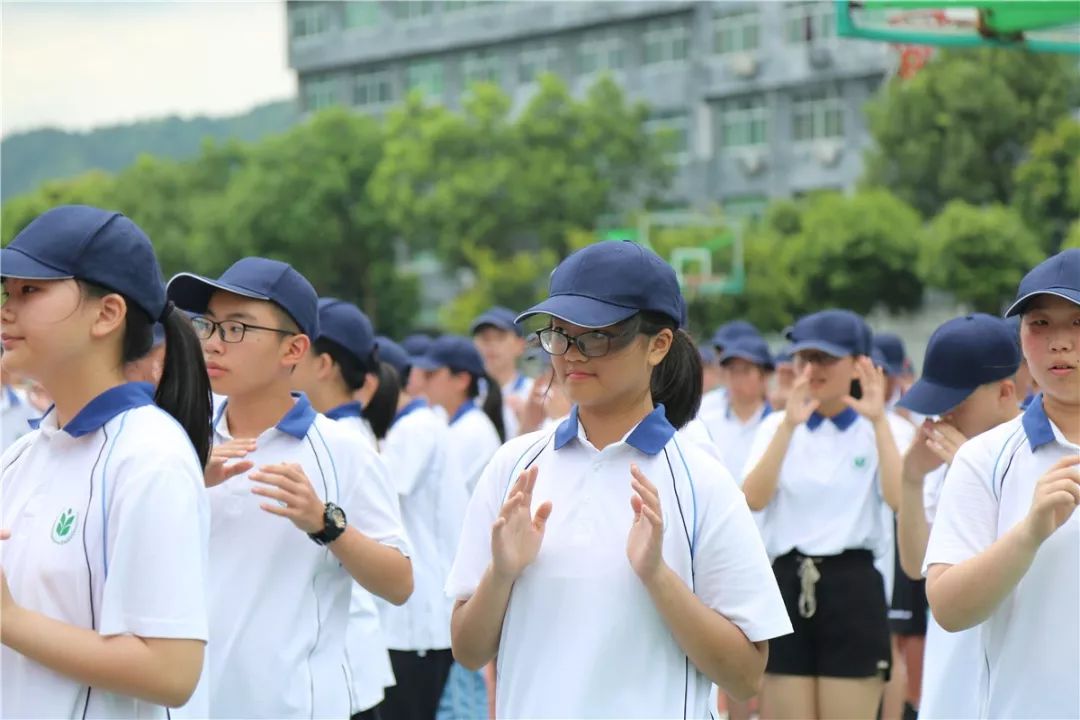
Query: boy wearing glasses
(279,601)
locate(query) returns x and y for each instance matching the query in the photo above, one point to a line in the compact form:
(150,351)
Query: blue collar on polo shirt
(761,414)
(411,407)
(650,436)
(460,412)
(12,396)
(842,421)
(346,410)
(296,422)
(1037,425)
(518,384)
(104,408)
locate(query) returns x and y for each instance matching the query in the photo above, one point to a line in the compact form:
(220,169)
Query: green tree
(1072,238)
(979,254)
(958,129)
(91,188)
(1048,183)
(515,282)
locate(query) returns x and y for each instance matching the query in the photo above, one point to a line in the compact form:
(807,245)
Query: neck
(403,400)
(831,408)
(76,387)
(746,409)
(324,398)
(452,407)
(606,425)
(1065,415)
(503,376)
(251,414)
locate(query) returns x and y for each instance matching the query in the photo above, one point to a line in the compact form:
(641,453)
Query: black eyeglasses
(230,331)
(594,343)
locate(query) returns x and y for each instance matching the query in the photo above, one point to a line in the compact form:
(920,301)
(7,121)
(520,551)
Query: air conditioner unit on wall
(743,65)
(828,152)
(751,161)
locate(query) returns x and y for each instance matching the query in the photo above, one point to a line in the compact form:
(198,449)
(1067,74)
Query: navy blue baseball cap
(836,332)
(707,354)
(750,348)
(1057,275)
(87,243)
(345,324)
(608,282)
(394,355)
(893,354)
(256,278)
(417,344)
(497,317)
(729,332)
(453,352)
(963,354)
(785,356)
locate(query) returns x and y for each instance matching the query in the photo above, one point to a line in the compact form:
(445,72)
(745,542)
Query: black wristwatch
(334,525)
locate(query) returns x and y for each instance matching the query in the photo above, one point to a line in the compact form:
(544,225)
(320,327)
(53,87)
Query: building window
(600,52)
(818,116)
(482,66)
(372,89)
(308,19)
(427,77)
(746,207)
(362,14)
(412,9)
(318,92)
(808,22)
(667,41)
(673,133)
(744,121)
(536,60)
(737,32)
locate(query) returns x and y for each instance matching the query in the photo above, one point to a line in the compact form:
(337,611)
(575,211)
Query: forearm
(963,595)
(889,462)
(715,645)
(912,530)
(477,623)
(760,483)
(380,569)
(159,671)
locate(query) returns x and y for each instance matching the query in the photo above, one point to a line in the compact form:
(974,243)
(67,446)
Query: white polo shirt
(473,439)
(110,522)
(714,401)
(1031,643)
(903,433)
(433,506)
(279,603)
(732,436)
(520,387)
(828,498)
(365,643)
(16,412)
(581,636)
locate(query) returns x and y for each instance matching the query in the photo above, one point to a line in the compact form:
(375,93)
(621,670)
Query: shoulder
(16,449)
(520,450)
(151,434)
(770,424)
(708,475)
(985,450)
(341,439)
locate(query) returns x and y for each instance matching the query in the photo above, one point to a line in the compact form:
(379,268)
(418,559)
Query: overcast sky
(79,65)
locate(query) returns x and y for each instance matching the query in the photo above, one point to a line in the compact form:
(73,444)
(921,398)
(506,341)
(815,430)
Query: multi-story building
(764,100)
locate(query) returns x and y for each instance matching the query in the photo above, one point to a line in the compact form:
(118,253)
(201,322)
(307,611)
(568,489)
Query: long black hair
(676,382)
(184,389)
(382,407)
(493,403)
(353,369)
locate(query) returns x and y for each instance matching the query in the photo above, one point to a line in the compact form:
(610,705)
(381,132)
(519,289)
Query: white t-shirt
(581,636)
(433,505)
(110,523)
(1031,643)
(16,412)
(828,498)
(365,643)
(732,436)
(472,440)
(279,602)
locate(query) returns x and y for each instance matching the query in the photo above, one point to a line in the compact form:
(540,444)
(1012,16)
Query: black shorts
(848,634)
(909,606)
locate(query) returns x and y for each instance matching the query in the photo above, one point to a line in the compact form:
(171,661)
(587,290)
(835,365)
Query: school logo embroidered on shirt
(64,527)
(860,462)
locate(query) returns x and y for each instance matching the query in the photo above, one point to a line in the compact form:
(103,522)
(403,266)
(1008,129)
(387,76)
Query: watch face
(337,517)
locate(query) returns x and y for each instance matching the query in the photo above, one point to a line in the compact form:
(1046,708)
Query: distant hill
(31,158)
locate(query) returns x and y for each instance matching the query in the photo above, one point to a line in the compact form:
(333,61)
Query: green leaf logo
(64,528)
(860,462)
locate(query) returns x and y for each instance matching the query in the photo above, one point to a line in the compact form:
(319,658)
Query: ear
(659,346)
(462,380)
(324,365)
(294,349)
(368,389)
(111,314)
(1007,392)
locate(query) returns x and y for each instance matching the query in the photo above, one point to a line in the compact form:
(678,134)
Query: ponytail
(382,407)
(493,403)
(676,382)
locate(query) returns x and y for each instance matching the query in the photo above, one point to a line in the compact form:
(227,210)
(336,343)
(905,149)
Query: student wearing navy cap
(968,382)
(711,377)
(341,363)
(715,400)
(104,573)
(416,345)
(822,471)
(1004,548)
(784,378)
(610,569)
(501,342)
(290,539)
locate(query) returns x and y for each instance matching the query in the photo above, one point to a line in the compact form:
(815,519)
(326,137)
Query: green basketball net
(1029,24)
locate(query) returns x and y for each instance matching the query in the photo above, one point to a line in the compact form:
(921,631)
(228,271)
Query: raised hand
(296,498)
(920,459)
(1057,493)
(645,544)
(944,440)
(872,379)
(799,403)
(517,534)
(217,471)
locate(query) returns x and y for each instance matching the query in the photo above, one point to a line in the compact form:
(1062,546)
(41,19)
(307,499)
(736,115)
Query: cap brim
(193,292)
(424,362)
(747,356)
(821,346)
(487,322)
(17,264)
(1017,307)
(581,311)
(927,397)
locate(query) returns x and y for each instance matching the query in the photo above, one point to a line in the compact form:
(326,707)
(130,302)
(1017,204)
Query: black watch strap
(334,524)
